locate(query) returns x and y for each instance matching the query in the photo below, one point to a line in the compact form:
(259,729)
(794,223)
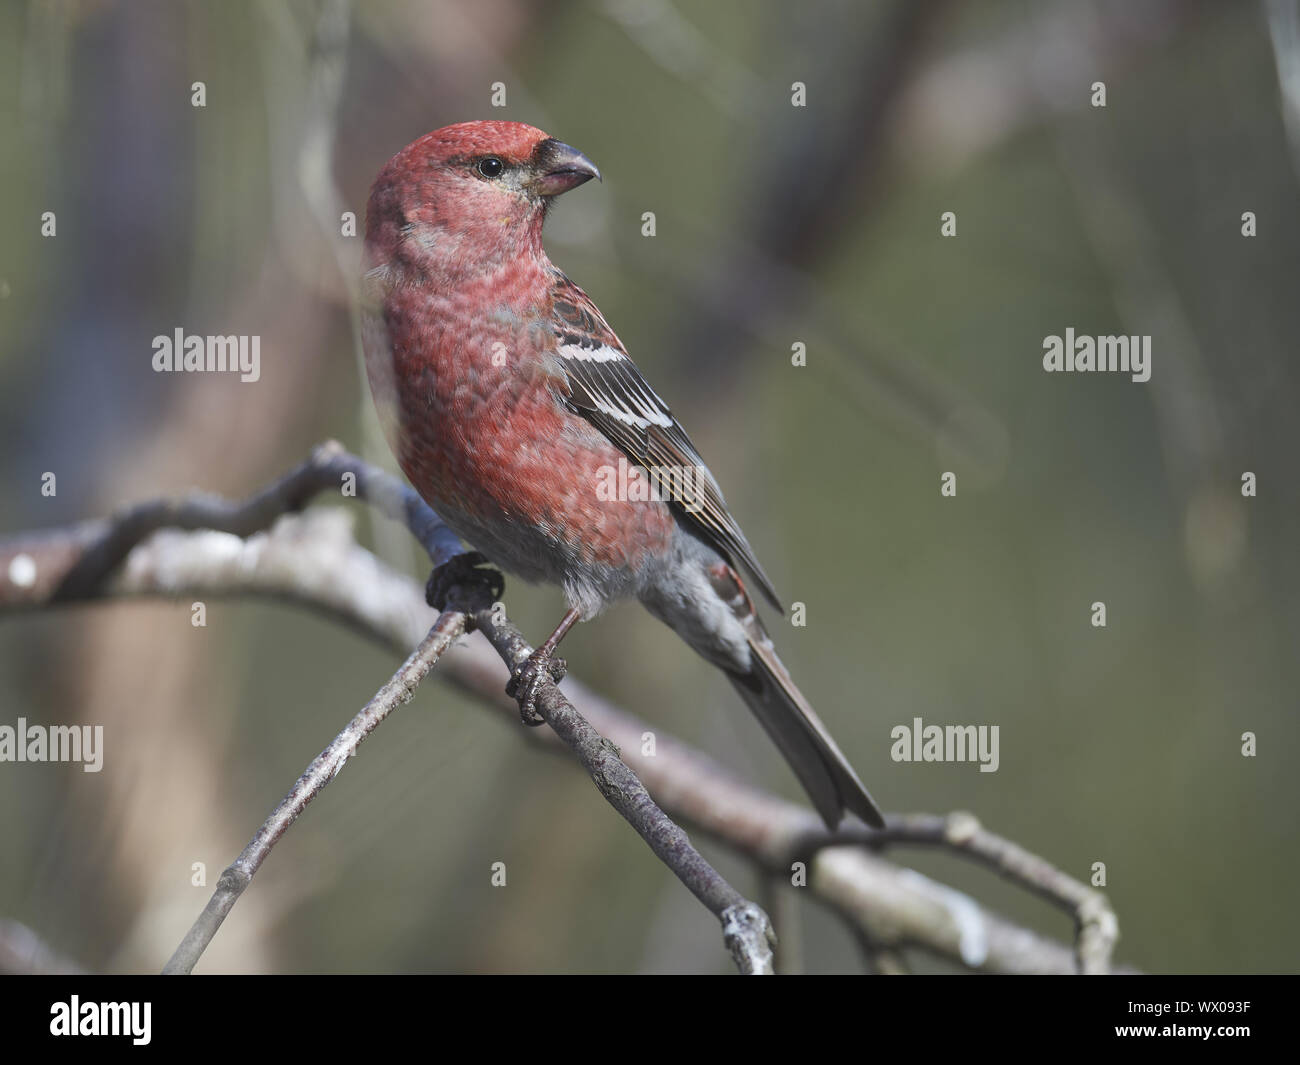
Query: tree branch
(746,929)
(70,564)
(73,564)
(311,559)
(324,768)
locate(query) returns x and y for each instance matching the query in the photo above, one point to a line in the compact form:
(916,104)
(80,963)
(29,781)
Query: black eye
(491,166)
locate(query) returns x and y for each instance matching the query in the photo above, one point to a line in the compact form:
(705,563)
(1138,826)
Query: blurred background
(775,225)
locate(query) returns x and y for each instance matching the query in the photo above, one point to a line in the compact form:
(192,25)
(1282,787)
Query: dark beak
(558,168)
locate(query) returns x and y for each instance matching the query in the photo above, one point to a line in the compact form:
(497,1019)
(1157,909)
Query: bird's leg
(527,679)
(464,568)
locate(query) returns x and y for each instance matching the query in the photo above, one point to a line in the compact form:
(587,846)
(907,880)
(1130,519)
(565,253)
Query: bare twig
(745,927)
(312,559)
(76,563)
(961,832)
(324,768)
(1095,921)
(71,564)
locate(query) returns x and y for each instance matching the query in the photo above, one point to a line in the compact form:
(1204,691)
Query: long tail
(782,710)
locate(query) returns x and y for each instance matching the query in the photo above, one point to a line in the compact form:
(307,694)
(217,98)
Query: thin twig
(80,562)
(340,577)
(323,768)
(1096,925)
(71,564)
(746,929)
(343,580)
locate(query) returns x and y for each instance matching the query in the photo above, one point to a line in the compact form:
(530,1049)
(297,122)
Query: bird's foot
(464,569)
(526,683)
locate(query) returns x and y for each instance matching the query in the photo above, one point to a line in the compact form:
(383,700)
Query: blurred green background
(775,225)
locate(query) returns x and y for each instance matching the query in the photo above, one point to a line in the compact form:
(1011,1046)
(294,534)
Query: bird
(516,413)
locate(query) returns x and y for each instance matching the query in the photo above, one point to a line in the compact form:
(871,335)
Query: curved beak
(558,167)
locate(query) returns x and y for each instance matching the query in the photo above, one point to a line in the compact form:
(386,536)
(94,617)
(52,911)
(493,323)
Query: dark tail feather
(819,764)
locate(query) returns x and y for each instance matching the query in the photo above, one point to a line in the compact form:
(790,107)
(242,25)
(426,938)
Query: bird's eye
(491,166)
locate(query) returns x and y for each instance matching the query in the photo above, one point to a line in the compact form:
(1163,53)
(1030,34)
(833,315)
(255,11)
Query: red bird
(510,403)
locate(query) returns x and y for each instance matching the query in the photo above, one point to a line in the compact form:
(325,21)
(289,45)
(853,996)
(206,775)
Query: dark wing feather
(607,389)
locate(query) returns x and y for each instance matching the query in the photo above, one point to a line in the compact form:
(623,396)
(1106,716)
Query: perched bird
(510,405)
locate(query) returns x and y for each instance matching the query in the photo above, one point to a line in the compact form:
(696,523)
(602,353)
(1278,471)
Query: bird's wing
(607,389)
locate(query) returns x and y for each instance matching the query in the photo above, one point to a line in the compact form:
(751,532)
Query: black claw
(526,684)
(464,569)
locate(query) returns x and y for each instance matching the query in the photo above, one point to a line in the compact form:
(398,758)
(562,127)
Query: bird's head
(465,198)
